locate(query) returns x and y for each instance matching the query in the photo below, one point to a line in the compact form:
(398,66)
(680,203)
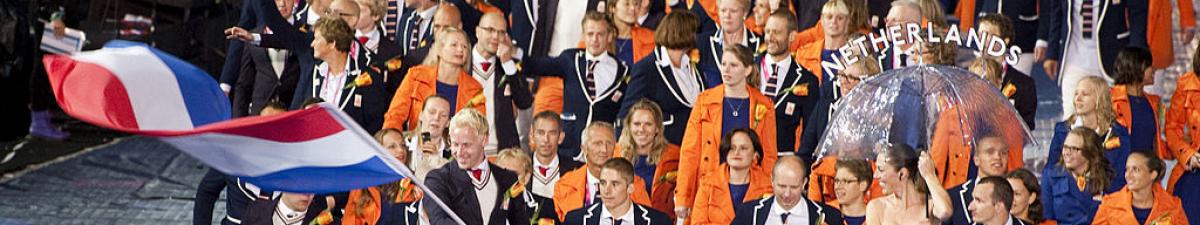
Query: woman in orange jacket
(444,73)
(1142,201)
(737,180)
(1135,109)
(1159,30)
(837,24)
(655,160)
(633,42)
(734,104)
(391,203)
(1184,114)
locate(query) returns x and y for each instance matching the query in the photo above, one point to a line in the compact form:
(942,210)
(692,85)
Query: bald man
(787,205)
(503,85)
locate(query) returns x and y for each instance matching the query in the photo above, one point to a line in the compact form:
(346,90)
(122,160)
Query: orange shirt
(1117,208)
(1184,113)
(571,190)
(420,83)
(702,138)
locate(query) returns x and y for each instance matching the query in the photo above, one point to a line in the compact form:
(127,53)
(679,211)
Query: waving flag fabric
(134,88)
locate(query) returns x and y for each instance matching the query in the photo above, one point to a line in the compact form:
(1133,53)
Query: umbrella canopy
(926,107)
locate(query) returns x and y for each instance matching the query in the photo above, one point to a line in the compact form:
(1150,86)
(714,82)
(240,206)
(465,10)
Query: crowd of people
(620,112)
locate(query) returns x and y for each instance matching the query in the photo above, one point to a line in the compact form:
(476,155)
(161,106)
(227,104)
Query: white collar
(483,166)
(553,163)
(781,62)
(288,212)
(603,57)
(745,36)
(478,59)
(312,17)
(427,15)
(372,38)
(664,59)
(324,67)
(626,219)
(642,19)
(799,210)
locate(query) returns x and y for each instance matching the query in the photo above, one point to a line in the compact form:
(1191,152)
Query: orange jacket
(702,138)
(549,94)
(570,192)
(713,204)
(809,56)
(1120,99)
(821,183)
(662,188)
(1158,29)
(367,212)
(965,11)
(420,83)
(1117,208)
(1183,114)
(951,150)
(486,8)
(807,36)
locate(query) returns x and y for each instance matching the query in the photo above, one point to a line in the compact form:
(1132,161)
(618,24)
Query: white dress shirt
(605,73)
(798,216)
(566,26)
(593,188)
(781,68)
(373,38)
(685,77)
(332,83)
(607,218)
(284,215)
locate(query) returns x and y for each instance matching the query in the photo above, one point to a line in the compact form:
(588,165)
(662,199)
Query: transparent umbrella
(928,107)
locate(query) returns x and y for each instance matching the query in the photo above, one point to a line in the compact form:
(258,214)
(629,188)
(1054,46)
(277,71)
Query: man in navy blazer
(794,89)
(993,199)
(471,187)
(616,207)
(990,160)
(788,205)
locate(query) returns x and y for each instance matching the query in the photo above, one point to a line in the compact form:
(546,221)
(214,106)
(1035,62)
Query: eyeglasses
(492,30)
(846,181)
(1072,148)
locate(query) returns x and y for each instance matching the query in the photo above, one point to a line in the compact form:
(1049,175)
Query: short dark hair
(785,16)
(548,115)
(594,16)
(677,30)
(1153,163)
(1131,64)
(622,166)
(1001,22)
(336,31)
(860,168)
(275,104)
(1001,190)
(726,143)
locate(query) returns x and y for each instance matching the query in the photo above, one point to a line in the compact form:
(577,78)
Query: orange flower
(799,89)
(362,80)
(407,192)
(478,99)
(1164,219)
(394,64)
(694,55)
(760,111)
(670,176)
(1009,90)
(515,190)
(545,221)
(1112,143)
(324,219)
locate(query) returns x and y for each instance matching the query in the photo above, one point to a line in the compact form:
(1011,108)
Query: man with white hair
(471,187)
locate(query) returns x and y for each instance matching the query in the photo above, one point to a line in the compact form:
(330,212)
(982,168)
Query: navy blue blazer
(817,121)
(1022,13)
(960,199)
(1025,98)
(1064,202)
(792,110)
(512,90)
(654,79)
(258,83)
(579,109)
(405,25)
(452,185)
(296,38)
(757,213)
(366,105)
(539,207)
(1120,24)
(590,215)
(711,47)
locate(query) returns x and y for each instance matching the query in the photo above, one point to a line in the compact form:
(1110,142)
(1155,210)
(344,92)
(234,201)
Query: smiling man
(990,160)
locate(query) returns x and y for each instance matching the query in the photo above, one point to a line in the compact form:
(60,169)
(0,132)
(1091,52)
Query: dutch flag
(134,88)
